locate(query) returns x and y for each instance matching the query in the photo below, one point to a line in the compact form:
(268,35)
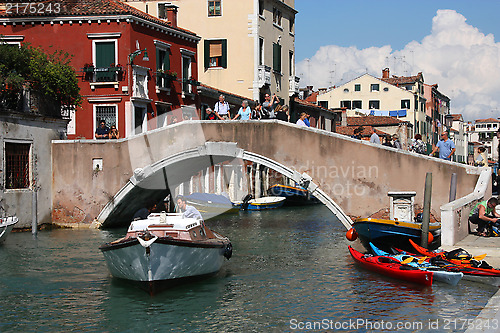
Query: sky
(453,43)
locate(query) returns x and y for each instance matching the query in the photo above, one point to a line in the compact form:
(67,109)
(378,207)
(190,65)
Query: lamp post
(134,54)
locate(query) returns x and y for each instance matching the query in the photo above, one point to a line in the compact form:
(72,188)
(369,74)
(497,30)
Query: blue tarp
(206,197)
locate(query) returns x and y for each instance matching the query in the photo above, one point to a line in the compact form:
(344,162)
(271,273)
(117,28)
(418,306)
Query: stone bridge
(109,180)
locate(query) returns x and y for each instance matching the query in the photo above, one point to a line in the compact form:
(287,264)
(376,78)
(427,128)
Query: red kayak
(473,270)
(391,267)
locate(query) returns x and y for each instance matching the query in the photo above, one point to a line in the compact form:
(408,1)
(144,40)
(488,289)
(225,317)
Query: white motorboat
(166,248)
(6,225)
(260,203)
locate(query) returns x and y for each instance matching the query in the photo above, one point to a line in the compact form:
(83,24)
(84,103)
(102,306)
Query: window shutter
(166,60)
(207,53)
(105,56)
(224,53)
(277,57)
(158,59)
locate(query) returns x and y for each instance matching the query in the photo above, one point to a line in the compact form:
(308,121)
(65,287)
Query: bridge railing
(455,214)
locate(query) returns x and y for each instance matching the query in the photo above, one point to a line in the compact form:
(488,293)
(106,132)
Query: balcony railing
(293,85)
(264,75)
(103,74)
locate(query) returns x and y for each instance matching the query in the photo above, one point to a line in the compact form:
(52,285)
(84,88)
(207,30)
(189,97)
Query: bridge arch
(152,181)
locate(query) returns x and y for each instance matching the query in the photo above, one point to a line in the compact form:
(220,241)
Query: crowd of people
(271,108)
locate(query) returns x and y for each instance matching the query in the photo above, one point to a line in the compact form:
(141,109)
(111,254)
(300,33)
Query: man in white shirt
(374,138)
(222,109)
(187,210)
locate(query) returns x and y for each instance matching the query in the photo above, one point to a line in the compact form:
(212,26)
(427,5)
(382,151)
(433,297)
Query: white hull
(447,277)
(164,261)
(6,225)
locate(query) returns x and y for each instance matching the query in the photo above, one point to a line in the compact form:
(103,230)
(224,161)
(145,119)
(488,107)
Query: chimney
(172,14)
(385,73)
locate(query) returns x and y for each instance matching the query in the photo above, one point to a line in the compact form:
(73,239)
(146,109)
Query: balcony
(264,75)
(293,85)
(103,76)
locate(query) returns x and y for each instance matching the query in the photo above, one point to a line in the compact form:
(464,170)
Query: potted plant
(88,68)
(171,74)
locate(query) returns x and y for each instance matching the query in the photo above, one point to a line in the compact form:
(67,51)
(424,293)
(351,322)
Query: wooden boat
(295,195)
(210,205)
(260,203)
(391,233)
(6,225)
(165,248)
(391,267)
(440,274)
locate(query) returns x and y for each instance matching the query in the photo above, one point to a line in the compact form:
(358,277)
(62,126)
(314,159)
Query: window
(277,16)
(216,53)
(346,90)
(17,165)
(345,104)
(186,74)
(261,51)
(323,104)
(261,7)
(277,58)
(214,8)
(162,65)
(374,105)
(292,23)
(374,87)
(405,104)
(386,89)
(290,63)
(107,113)
(357,104)
(104,57)
(357,87)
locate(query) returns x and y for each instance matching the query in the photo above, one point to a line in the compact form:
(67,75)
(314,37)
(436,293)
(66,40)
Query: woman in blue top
(244,112)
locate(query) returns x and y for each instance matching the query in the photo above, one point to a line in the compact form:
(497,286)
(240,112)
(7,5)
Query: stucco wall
(39,132)
(357,175)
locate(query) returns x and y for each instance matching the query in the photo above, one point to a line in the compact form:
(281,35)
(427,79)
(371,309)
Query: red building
(109,41)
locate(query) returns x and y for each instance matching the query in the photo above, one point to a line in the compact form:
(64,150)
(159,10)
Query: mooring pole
(427,210)
(453,187)
(34,221)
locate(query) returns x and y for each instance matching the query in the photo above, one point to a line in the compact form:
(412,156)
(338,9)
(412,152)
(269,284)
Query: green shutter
(224,53)
(166,60)
(158,59)
(277,58)
(207,53)
(105,56)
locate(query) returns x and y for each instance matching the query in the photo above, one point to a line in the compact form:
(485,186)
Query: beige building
(400,97)
(247,46)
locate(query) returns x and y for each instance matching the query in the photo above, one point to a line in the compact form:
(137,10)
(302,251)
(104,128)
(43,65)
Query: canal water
(290,271)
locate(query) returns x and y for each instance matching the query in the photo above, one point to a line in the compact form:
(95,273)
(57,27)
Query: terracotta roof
(313,98)
(488,120)
(306,103)
(89,8)
(399,80)
(373,121)
(367,131)
(456,117)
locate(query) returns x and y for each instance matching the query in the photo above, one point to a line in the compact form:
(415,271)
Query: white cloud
(464,62)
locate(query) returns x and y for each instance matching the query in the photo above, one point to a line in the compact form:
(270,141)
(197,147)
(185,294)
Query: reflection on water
(288,264)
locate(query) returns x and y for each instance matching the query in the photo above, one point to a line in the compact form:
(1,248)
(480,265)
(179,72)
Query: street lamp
(134,54)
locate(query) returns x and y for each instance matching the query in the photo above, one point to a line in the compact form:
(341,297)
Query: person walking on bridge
(445,146)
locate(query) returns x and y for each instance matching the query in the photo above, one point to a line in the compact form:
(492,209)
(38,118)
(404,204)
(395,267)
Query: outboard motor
(246,201)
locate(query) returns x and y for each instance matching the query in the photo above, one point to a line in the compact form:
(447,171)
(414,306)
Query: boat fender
(147,243)
(228,251)
(351,235)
